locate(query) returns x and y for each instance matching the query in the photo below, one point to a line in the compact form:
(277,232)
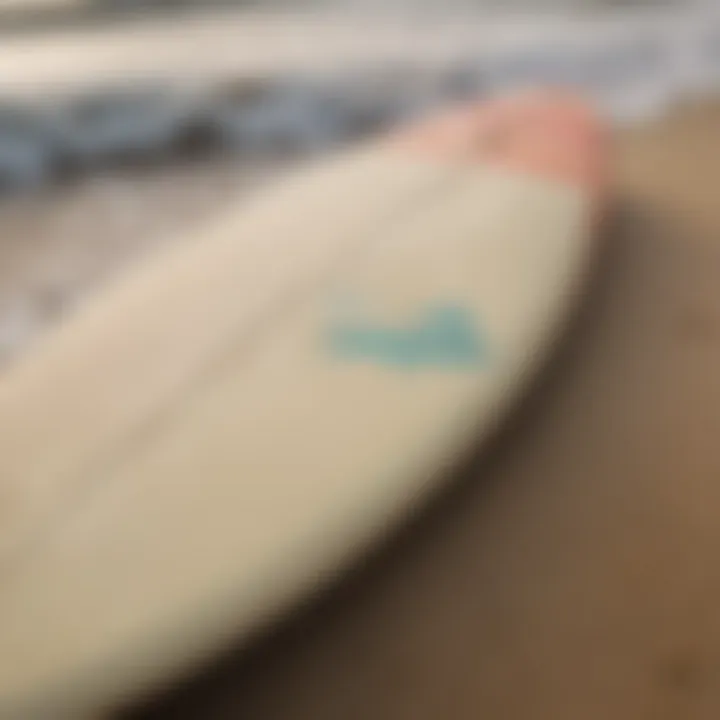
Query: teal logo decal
(446,336)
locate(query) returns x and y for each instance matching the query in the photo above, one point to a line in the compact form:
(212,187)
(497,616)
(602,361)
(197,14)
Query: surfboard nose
(551,134)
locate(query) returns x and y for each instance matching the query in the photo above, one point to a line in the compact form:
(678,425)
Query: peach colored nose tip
(550,134)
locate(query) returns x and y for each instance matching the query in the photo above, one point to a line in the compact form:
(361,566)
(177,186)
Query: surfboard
(220,431)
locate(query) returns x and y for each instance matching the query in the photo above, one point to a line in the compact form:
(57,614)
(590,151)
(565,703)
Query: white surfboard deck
(216,433)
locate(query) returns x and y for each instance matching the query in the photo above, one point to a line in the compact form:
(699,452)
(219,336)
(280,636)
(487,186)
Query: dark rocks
(119,125)
(261,117)
(286,116)
(26,151)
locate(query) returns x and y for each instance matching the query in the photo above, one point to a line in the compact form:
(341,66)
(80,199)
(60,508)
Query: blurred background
(147,117)
(58,8)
